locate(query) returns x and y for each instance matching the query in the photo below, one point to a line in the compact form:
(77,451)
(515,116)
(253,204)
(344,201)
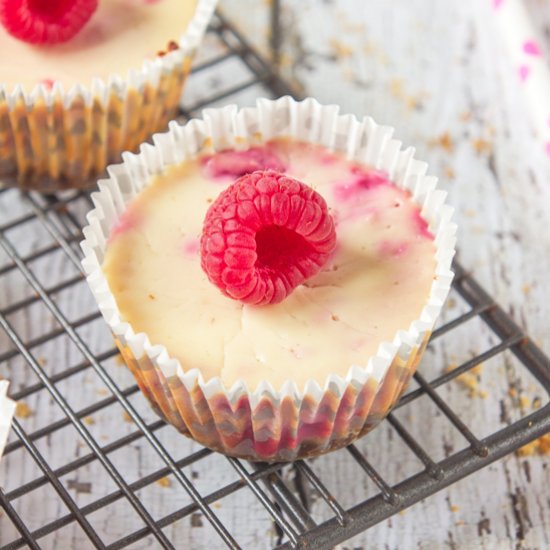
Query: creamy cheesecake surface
(120,36)
(376,283)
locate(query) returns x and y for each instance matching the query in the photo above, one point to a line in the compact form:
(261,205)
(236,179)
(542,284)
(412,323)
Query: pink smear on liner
(151,1)
(129,220)
(532,48)
(238,163)
(422,225)
(393,248)
(497,4)
(191,247)
(547,147)
(360,182)
(523,72)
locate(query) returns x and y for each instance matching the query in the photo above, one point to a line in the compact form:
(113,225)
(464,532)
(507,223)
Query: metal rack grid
(283,490)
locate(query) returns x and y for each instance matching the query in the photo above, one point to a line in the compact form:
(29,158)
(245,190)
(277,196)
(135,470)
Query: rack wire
(291,496)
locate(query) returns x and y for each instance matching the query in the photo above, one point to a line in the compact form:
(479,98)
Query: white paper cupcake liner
(267,423)
(7,410)
(53,139)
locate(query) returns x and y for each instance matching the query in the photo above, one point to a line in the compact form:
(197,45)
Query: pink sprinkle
(393,248)
(129,220)
(532,48)
(191,247)
(547,147)
(48,83)
(327,158)
(497,4)
(523,72)
(422,225)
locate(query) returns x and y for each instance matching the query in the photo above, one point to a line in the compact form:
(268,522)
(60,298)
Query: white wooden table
(438,73)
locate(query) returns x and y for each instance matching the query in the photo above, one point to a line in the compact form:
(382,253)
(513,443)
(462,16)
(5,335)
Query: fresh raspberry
(45,21)
(264,235)
(239,163)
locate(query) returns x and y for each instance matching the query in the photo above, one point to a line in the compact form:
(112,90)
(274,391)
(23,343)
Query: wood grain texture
(438,73)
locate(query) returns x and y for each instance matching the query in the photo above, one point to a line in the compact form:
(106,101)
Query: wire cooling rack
(66,472)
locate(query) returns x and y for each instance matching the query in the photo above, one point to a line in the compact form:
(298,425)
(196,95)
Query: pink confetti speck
(531,48)
(47,82)
(523,72)
(393,248)
(191,247)
(497,4)
(548,148)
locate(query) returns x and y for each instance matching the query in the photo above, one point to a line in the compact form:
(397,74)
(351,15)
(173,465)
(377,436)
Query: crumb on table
(22,410)
(540,446)
(164,482)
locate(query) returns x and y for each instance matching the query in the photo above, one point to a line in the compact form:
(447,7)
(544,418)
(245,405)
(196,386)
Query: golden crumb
(102,391)
(449,173)
(89,420)
(454,508)
(152,297)
(469,380)
(396,88)
(119,360)
(477,369)
(459,522)
(465,116)
(164,482)
(527,450)
(451,303)
(339,49)
(544,444)
(481,146)
(126,417)
(402,512)
(512,392)
(22,410)
(445,141)
(524,402)
(540,446)
(412,103)
(217,505)
(285,60)
(526,289)
(42,361)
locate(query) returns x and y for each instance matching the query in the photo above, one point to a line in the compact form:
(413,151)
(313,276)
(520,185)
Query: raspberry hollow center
(276,246)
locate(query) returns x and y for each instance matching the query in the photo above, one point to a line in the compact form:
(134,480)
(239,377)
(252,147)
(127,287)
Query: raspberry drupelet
(264,235)
(45,21)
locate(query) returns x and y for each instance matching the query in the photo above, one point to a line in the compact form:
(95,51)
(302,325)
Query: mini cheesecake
(375,283)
